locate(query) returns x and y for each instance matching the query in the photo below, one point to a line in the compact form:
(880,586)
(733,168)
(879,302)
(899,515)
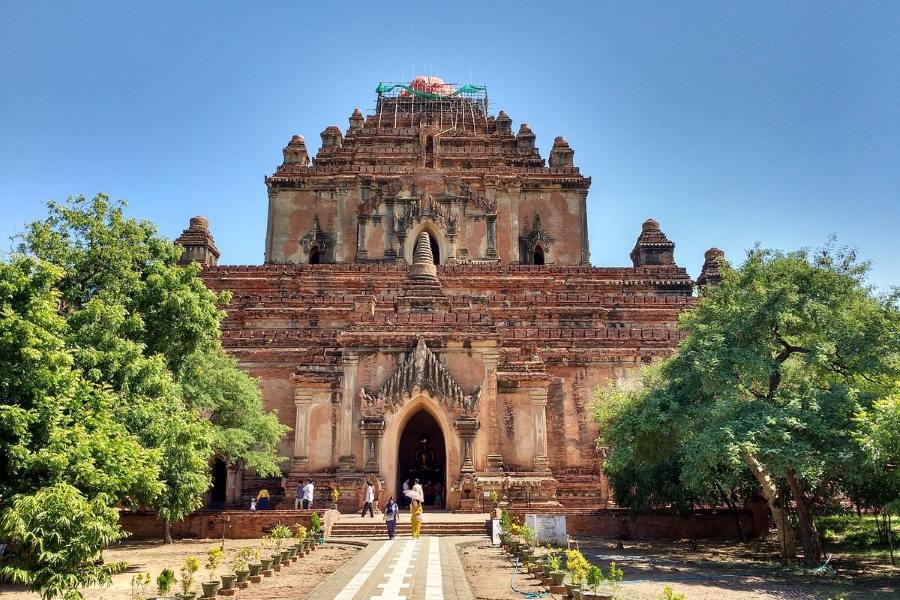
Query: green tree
(242,433)
(775,366)
(63,533)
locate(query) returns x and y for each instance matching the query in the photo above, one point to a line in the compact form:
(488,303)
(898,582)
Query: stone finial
(295,152)
(332,137)
(504,123)
(525,138)
(711,274)
(652,247)
(356,120)
(197,244)
(423,260)
(562,154)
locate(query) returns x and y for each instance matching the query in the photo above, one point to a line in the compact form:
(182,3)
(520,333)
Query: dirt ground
(718,571)
(295,581)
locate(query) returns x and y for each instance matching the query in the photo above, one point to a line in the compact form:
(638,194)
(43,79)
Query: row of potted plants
(247,565)
(579,578)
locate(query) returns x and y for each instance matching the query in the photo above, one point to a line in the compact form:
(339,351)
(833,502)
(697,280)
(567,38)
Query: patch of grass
(857,535)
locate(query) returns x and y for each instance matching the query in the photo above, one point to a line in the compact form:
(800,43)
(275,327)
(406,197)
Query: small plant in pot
(240,564)
(315,528)
(300,533)
(214,557)
(188,571)
(266,559)
(253,562)
(577,566)
(554,561)
(165,581)
(335,497)
(139,584)
(594,580)
(280,533)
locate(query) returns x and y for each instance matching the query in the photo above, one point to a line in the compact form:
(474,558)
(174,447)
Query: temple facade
(427,308)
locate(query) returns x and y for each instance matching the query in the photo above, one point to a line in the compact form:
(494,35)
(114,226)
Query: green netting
(384,88)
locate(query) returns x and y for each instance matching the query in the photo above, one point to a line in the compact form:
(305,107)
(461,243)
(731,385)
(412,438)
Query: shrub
(594,577)
(213,559)
(139,585)
(188,570)
(281,533)
(577,566)
(315,523)
(300,532)
(554,559)
(668,594)
(55,539)
(165,581)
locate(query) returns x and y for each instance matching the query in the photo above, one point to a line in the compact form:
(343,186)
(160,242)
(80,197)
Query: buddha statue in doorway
(424,454)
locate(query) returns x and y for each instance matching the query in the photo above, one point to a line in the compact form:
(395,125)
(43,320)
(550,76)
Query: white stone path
(400,569)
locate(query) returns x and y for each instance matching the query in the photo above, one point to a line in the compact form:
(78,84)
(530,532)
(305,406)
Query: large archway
(422,455)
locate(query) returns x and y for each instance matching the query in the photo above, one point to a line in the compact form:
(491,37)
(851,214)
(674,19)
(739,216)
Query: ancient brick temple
(427,307)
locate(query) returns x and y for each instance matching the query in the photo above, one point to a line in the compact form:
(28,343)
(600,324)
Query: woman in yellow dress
(415,524)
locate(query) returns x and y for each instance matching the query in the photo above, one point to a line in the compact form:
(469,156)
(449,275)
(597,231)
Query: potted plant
(577,565)
(594,579)
(554,561)
(615,578)
(300,533)
(139,584)
(253,563)
(315,528)
(213,560)
(228,579)
(280,533)
(335,497)
(239,565)
(188,570)
(267,558)
(165,581)
(505,522)
(529,537)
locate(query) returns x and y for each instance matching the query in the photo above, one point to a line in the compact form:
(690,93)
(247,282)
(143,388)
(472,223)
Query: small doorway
(315,257)
(422,455)
(538,255)
(219,484)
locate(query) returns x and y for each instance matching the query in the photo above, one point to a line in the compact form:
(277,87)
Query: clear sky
(728,122)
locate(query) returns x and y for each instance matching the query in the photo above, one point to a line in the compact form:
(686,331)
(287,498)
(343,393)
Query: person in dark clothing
(391,511)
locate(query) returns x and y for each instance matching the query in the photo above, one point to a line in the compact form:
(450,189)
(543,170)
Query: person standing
(405,489)
(262,500)
(418,492)
(370,499)
(391,510)
(298,496)
(308,494)
(415,512)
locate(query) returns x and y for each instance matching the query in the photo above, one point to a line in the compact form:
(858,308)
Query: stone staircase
(433,525)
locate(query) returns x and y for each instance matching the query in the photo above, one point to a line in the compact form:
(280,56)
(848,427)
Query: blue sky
(729,122)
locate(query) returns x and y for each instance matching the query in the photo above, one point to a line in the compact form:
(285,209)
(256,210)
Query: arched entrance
(422,455)
(217,493)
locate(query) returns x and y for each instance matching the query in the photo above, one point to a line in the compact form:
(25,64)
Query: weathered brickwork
(413,266)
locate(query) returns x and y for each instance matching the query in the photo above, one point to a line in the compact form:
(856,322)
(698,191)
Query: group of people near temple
(414,496)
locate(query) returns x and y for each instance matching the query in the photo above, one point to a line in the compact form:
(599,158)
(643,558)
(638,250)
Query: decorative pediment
(420,370)
(536,236)
(316,237)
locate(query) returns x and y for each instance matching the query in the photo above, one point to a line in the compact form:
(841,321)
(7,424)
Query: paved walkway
(401,569)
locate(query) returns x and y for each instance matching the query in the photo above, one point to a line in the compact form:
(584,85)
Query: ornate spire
(198,243)
(423,259)
(711,274)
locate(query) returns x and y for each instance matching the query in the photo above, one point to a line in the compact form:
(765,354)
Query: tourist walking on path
(415,518)
(417,492)
(370,499)
(391,510)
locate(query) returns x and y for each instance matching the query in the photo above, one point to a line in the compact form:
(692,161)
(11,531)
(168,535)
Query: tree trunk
(770,493)
(168,531)
(890,538)
(809,535)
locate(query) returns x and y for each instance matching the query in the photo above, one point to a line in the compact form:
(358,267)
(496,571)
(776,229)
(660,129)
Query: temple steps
(376,528)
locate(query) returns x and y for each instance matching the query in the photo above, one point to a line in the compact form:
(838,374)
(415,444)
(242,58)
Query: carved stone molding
(316,237)
(536,236)
(419,370)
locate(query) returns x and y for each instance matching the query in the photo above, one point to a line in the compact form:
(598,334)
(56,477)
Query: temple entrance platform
(435,523)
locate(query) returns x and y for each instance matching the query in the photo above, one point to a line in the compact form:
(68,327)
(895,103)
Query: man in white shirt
(370,500)
(308,494)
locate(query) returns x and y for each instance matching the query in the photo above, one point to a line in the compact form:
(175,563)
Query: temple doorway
(217,493)
(422,455)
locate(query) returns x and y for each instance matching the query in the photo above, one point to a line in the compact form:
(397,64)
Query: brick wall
(240,524)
